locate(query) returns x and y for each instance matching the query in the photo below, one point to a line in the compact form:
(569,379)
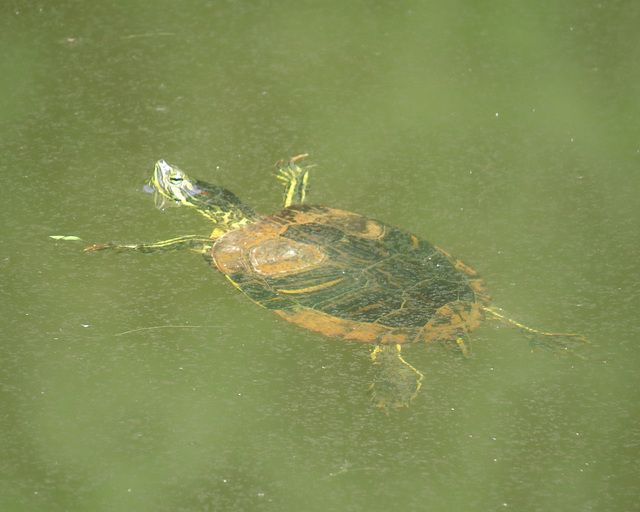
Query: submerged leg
(396,381)
(557,341)
(461,345)
(196,243)
(295,180)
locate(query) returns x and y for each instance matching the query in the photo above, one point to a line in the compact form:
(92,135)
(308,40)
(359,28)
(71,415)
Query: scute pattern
(362,279)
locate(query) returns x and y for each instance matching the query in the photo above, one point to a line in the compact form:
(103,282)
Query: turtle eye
(175,179)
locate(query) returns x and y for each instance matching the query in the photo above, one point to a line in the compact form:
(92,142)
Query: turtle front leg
(196,243)
(295,180)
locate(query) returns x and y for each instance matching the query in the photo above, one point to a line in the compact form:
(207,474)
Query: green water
(505,133)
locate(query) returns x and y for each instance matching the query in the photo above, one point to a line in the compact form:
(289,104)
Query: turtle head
(172,187)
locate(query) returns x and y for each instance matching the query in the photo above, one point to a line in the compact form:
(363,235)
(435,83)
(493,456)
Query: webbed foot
(396,382)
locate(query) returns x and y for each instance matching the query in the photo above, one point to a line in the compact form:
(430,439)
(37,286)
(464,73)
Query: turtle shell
(346,275)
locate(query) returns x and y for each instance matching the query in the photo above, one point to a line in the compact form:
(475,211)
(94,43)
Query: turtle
(338,273)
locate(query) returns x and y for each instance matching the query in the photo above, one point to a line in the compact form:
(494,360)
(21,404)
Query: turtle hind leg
(558,342)
(460,345)
(396,382)
(295,180)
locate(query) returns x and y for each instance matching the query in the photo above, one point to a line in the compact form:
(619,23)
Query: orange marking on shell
(231,251)
(281,256)
(259,249)
(333,326)
(449,323)
(350,223)
(452,320)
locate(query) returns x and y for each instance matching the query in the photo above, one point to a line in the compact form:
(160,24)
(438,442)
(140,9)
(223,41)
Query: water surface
(506,135)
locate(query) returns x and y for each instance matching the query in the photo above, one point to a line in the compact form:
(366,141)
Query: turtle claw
(557,343)
(98,247)
(294,179)
(460,346)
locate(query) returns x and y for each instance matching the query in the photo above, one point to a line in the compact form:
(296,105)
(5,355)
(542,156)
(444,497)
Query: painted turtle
(336,272)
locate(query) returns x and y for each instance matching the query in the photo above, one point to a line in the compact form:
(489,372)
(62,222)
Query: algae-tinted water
(508,136)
